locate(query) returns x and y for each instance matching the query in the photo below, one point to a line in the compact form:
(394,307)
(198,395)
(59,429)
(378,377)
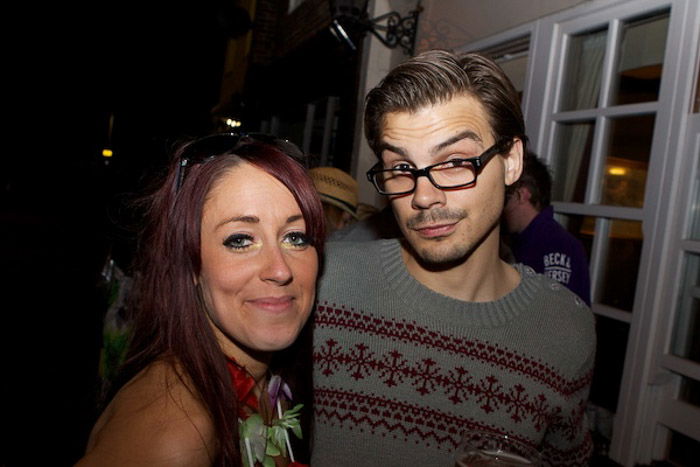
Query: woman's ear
(513,162)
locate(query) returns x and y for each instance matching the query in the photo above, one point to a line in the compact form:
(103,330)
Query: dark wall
(157,70)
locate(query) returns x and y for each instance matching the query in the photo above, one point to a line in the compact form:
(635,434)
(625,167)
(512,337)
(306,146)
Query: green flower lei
(260,441)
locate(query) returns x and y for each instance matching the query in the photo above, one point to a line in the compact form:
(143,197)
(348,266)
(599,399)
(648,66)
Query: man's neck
(480,277)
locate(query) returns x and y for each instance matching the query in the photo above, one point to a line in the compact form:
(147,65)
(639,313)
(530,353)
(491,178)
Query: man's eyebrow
(384,146)
(467,134)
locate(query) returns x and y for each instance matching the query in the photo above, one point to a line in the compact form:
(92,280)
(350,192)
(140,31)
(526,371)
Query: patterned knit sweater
(400,371)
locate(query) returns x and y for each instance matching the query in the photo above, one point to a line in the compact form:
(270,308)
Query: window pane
(627,160)
(581,227)
(696,106)
(582,75)
(621,264)
(695,203)
(512,57)
(641,60)
(515,69)
(572,156)
(690,391)
(686,339)
(609,362)
(683,451)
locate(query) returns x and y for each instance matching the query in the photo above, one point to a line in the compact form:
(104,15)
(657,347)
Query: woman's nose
(275,267)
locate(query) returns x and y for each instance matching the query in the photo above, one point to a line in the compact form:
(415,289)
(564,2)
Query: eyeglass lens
(449,174)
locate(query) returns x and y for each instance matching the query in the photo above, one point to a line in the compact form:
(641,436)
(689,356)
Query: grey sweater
(400,371)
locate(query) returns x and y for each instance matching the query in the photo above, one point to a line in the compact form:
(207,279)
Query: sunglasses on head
(208,147)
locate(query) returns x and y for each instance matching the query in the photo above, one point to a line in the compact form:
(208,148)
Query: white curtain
(582,87)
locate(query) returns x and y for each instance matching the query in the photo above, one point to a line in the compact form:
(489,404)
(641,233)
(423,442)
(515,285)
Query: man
(381,224)
(338,192)
(420,339)
(537,239)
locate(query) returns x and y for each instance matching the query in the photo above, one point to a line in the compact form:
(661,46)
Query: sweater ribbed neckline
(416,296)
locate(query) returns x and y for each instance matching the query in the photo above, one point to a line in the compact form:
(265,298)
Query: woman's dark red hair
(170,322)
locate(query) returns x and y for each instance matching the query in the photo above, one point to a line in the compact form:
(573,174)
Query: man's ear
(513,162)
(524,194)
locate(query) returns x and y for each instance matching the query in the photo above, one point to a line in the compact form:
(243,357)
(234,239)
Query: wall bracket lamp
(350,21)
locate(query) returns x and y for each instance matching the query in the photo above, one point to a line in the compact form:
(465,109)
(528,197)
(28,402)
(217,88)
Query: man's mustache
(435,216)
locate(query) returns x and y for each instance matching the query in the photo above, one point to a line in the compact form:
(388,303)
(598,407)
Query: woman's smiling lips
(273,304)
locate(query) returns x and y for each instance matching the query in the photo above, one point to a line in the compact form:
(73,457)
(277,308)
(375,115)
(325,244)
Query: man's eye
(296,239)
(401,166)
(238,241)
(457,163)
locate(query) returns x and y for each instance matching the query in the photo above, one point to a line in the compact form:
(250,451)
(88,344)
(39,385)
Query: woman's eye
(296,239)
(238,241)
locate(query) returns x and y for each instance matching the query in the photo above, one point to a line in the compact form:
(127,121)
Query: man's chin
(439,252)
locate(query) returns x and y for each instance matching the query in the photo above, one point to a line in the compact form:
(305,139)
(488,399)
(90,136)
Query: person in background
(419,339)
(338,191)
(225,284)
(536,239)
(378,225)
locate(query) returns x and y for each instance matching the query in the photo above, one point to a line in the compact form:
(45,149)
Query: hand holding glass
(482,448)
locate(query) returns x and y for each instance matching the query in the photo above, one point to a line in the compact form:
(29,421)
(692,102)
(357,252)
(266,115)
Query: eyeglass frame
(193,154)
(478,162)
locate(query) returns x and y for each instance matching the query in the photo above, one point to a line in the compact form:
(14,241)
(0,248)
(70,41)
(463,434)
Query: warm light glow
(617,171)
(106,152)
(233,123)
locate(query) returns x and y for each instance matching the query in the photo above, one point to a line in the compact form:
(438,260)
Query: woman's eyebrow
(244,218)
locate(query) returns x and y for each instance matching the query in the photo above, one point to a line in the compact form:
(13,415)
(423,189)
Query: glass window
(627,160)
(581,227)
(686,338)
(609,362)
(641,60)
(696,105)
(515,68)
(621,266)
(695,202)
(572,156)
(583,70)
(512,57)
(683,451)
(690,391)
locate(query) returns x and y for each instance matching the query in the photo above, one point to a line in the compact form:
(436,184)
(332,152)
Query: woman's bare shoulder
(153,420)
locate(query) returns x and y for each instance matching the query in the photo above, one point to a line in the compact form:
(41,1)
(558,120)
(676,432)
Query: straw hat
(336,187)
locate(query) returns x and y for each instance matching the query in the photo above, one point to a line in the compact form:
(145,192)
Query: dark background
(62,209)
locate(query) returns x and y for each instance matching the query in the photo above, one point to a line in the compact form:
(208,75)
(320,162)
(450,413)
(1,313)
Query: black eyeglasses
(208,147)
(454,173)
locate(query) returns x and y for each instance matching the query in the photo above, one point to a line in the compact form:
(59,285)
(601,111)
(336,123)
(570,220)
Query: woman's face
(258,269)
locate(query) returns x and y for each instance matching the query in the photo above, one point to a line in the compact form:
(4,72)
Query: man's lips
(435,230)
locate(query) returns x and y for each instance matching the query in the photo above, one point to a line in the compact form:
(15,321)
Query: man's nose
(426,195)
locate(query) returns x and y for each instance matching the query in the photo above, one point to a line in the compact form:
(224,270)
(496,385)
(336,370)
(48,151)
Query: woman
(227,283)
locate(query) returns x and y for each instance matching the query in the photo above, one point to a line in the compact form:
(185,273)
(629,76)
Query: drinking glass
(483,449)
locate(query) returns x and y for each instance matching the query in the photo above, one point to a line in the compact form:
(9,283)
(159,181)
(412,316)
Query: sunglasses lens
(209,146)
(203,148)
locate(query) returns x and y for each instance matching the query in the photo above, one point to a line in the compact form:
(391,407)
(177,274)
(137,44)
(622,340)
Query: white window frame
(650,380)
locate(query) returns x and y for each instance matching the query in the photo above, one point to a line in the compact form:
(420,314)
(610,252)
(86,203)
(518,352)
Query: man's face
(444,226)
